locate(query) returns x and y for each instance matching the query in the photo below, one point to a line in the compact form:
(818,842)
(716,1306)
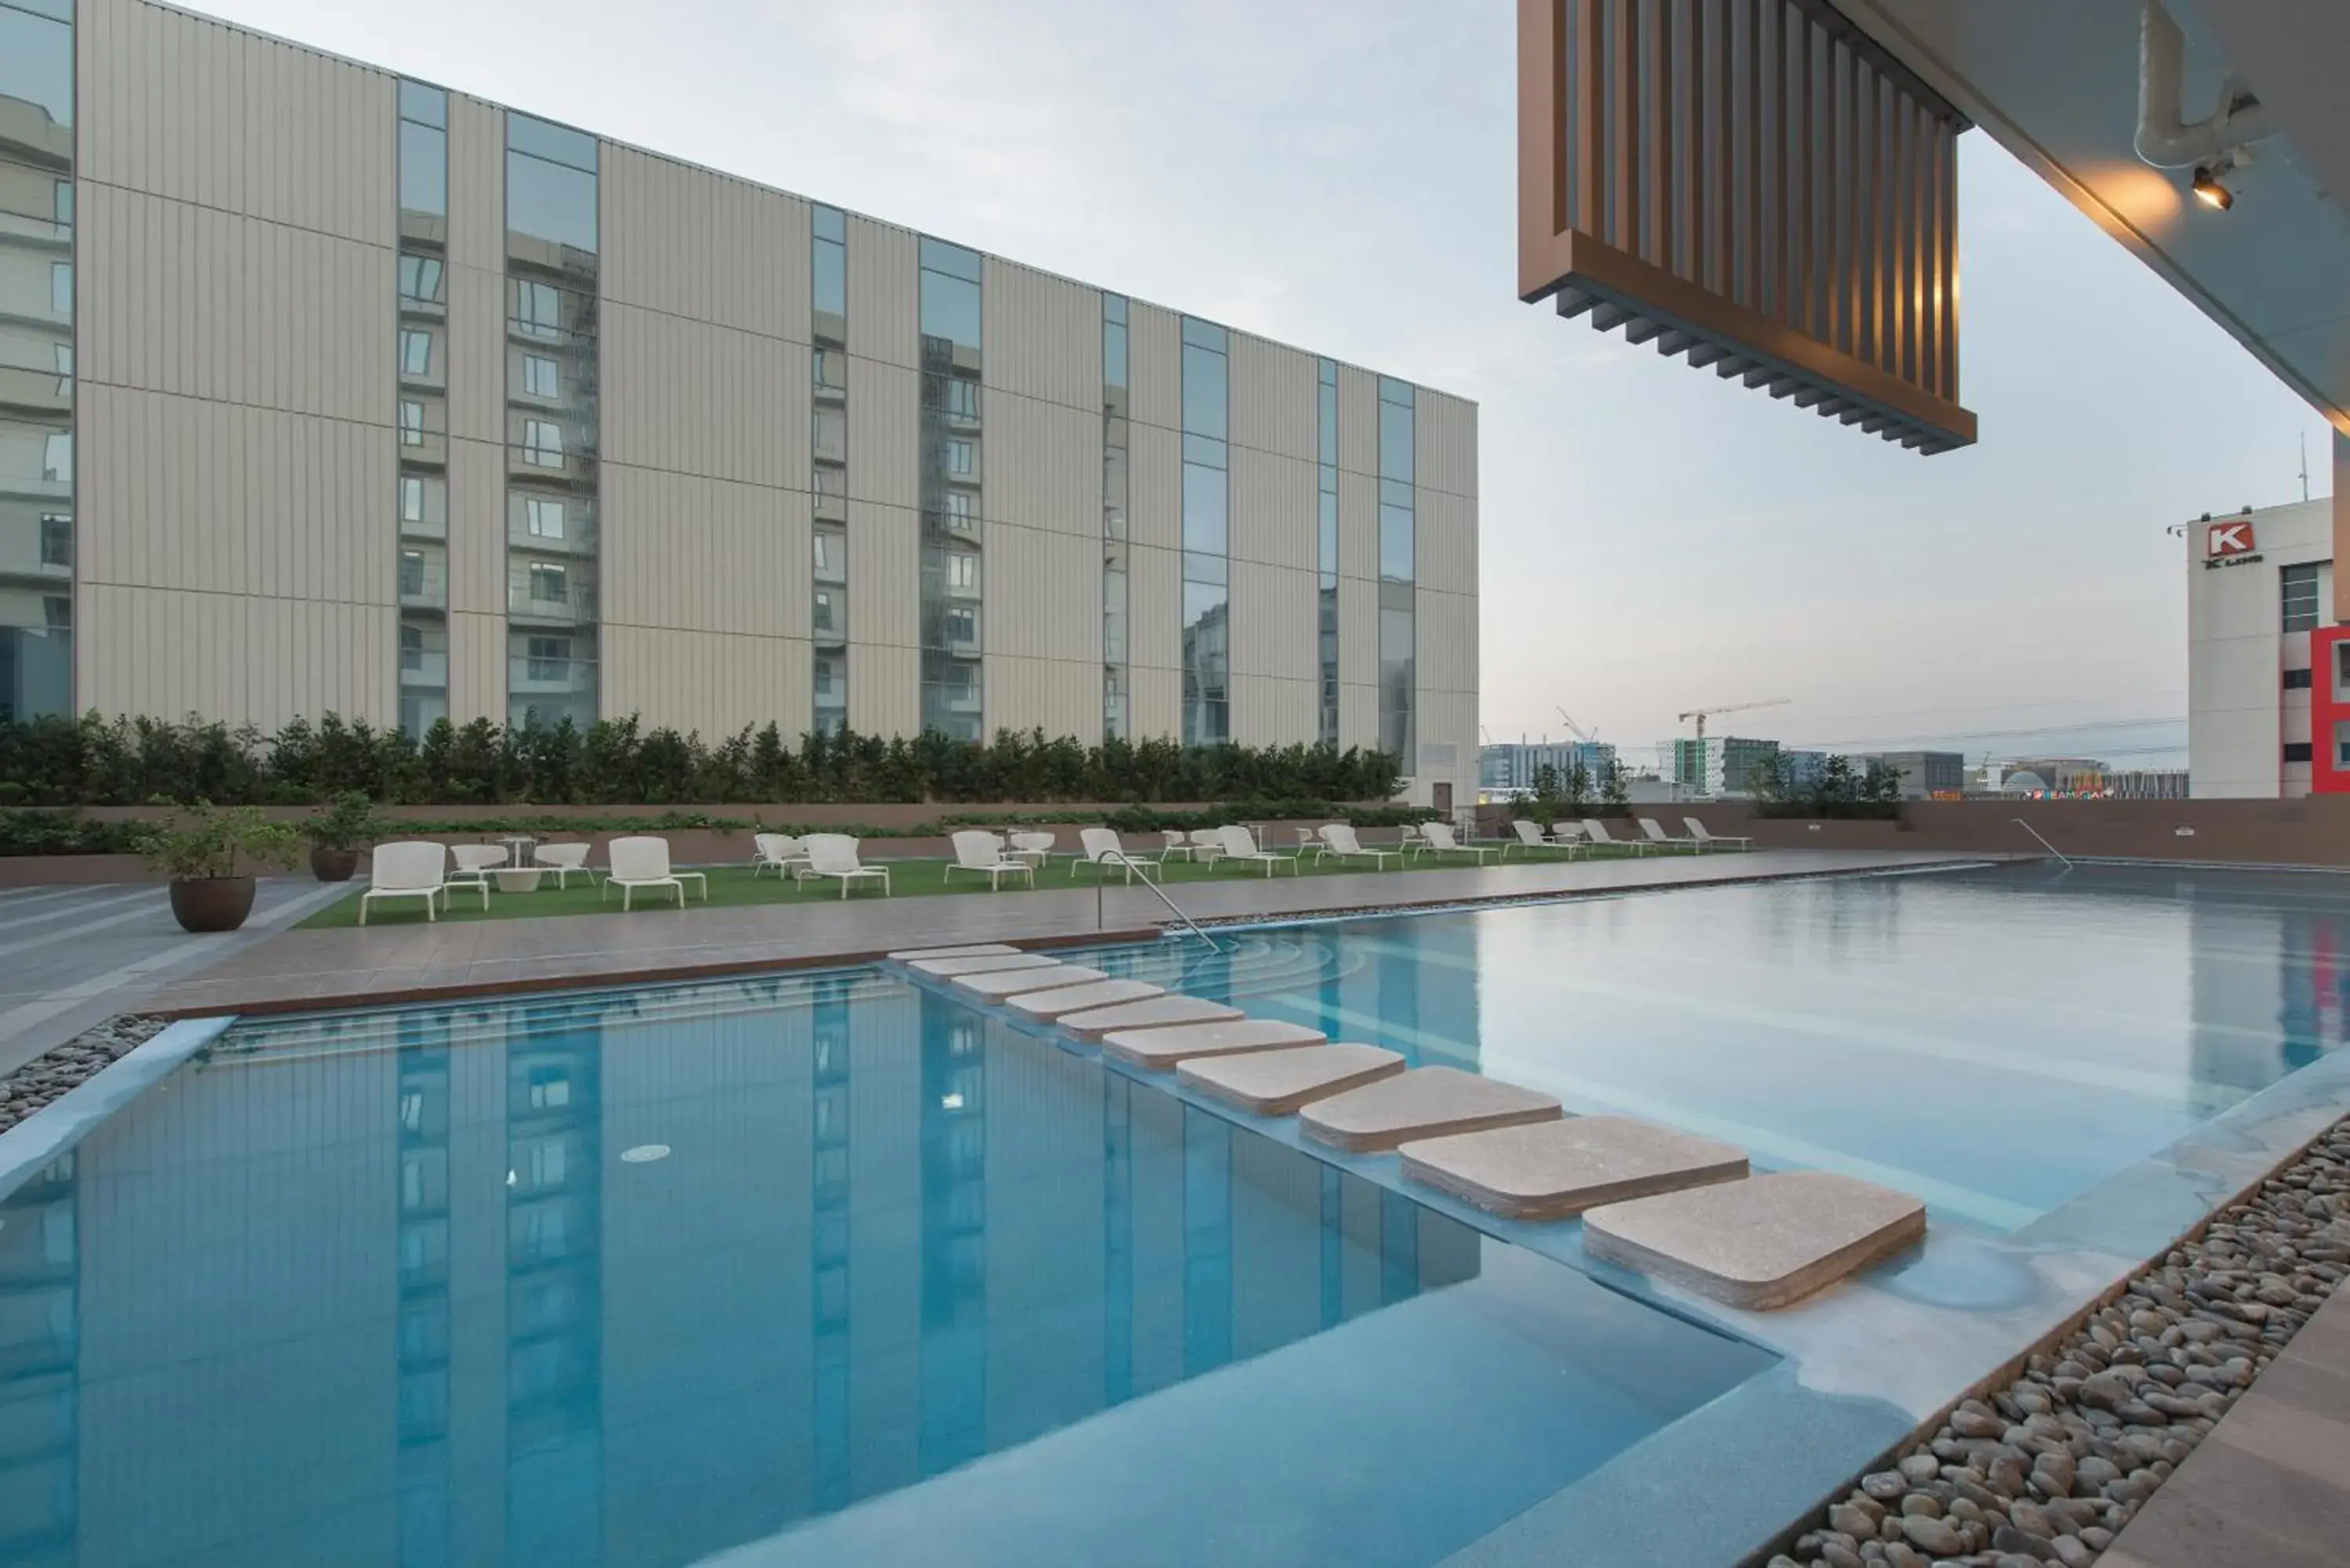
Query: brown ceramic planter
(333,864)
(211,903)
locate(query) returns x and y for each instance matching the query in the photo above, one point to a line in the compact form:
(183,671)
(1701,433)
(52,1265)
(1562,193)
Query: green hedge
(95,760)
(43,832)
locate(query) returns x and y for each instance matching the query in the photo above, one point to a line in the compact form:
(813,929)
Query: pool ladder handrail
(1156,891)
(2052,849)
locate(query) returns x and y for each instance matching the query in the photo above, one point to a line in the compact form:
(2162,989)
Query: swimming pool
(830,1267)
(639,1277)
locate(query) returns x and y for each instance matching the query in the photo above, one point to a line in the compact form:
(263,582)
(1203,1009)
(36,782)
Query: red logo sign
(2227,539)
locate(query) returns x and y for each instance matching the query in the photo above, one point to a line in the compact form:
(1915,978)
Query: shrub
(208,841)
(95,760)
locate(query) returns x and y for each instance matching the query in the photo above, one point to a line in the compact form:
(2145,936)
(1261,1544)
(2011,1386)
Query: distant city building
(2055,775)
(1720,764)
(2268,669)
(2148,783)
(1514,765)
(1924,774)
(1800,771)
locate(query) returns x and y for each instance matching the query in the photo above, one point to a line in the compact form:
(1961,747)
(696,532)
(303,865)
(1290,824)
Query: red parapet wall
(2329,708)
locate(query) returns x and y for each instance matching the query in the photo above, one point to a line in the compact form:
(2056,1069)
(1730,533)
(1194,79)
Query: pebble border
(48,1075)
(2050,1468)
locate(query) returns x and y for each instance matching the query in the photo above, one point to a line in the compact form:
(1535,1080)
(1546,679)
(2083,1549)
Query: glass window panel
(2298,586)
(1114,308)
(57,540)
(955,261)
(1204,334)
(550,202)
(556,143)
(1206,450)
(61,287)
(1199,567)
(37,63)
(1328,439)
(421,280)
(1206,524)
(828,224)
(542,443)
(1327,535)
(415,353)
(1396,558)
(1113,354)
(423,169)
(949,308)
(1395,442)
(426,105)
(544,516)
(831,264)
(1203,392)
(540,377)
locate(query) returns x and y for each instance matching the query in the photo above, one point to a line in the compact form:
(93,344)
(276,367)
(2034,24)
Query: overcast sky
(1342,178)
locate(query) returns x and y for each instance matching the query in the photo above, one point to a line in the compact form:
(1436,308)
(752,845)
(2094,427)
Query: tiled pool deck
(304,969)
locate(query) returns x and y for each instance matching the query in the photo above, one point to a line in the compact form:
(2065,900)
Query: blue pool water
(422,1288)
(1998,1042)
(831,1269)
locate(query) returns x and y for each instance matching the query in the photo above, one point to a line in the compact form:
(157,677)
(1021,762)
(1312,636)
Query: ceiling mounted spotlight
(2210,192)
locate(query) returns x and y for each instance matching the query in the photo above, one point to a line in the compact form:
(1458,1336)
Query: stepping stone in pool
(1761,1243)
(1000,983)
(1426,1102)
(1276,1083)
(987,963)
(977,949)
(1146,1016)
(1552,1169)
(1078,998)
(1161,1049)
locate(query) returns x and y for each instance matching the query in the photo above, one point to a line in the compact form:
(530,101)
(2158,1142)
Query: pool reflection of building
(2253,1021)
(432,1318)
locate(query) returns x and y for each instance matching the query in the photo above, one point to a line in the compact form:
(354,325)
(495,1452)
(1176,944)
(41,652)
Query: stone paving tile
(1426,1102)
(455,957)
(1552,1169)
(1143,1015)
(1759,1244)
(1278,1082)
(1158,1049)
(1000,983)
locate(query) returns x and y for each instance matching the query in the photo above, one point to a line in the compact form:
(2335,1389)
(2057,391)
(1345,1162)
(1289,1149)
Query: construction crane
(1588,737)
(1699,715)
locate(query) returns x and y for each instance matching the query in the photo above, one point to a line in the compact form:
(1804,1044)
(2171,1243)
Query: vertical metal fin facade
(1752,183)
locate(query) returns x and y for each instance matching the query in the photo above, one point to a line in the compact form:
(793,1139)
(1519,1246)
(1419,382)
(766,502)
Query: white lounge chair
(1658,836)
(1103,847)
(1595,832)
(1177,846)
(1530,835)
(1240,843)
(1412,838)
(776,852)
(1698,831)
(1567,833)
(475,864)
(1340,839)
(1207,845)
(981,854)
(834,855)
(415,868)
(642,861)
(565,860)
(1440,841)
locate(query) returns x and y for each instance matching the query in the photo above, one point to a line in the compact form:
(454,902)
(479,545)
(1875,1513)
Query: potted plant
(201,851)
(337,832)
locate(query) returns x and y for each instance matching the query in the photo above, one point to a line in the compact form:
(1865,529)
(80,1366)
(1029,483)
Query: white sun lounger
(981,854)
(642,861)
(834,855)
(416,869)
(1340,839)
(1595,832)
(1240,843)
(1658,836)
(1698,831)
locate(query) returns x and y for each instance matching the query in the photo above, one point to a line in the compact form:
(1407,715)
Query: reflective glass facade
(1117,560)
(38,537)
(552,337)
(422,433)
(1398,573)
(1207,535)
(828,612)
(953,587)
(1326,554)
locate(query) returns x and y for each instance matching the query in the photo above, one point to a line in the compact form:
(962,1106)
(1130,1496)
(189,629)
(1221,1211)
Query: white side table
(517,878)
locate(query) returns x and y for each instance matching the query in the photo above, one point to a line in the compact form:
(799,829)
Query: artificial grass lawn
(735,886)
